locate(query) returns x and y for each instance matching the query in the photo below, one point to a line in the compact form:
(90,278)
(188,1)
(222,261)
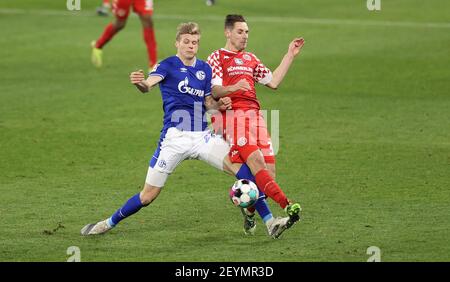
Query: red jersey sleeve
(261,73)
(216,66)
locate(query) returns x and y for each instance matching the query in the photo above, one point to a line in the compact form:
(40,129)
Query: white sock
(269,222)
(109,223)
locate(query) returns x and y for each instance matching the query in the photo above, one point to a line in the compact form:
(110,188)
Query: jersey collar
(193,64)
(233,52)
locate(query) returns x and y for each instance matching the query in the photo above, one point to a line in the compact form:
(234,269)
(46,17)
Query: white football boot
(100,227)
(276,226)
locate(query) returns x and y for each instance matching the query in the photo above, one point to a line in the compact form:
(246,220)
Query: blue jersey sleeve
(208,85)
(161,70)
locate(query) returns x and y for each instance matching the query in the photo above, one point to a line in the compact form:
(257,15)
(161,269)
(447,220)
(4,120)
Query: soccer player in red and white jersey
(121,10)
(235,73)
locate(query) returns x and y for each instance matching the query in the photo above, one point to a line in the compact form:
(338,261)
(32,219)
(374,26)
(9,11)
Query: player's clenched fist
(137,77)
(225,104)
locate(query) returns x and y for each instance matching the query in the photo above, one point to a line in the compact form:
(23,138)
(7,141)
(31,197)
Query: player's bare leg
(149,193)
(149,39)
(119,24)
(272,170)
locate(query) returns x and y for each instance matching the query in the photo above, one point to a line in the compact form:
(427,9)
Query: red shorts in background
(121,8)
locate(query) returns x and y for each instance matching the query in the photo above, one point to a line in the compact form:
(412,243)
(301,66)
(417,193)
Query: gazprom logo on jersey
(184,88)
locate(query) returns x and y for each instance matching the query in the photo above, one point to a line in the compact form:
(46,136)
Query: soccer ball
(244,193)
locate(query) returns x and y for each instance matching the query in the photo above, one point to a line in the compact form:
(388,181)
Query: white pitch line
(261,19)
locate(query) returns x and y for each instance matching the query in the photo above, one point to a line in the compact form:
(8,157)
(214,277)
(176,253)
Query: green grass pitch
(364,134)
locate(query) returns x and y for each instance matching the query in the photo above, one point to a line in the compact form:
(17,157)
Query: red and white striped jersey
(229,67)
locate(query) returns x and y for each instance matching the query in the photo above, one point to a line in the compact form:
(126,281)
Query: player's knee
(149,194)
(147,21)
(272,171)
(147,199)
(246,150)
(256,161)
(119,24)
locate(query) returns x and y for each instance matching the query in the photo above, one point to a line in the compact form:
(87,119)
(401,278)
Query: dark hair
(231,19)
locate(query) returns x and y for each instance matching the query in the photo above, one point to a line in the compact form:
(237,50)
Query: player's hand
(225,104)
(241,85)
(295,46)
(137,77)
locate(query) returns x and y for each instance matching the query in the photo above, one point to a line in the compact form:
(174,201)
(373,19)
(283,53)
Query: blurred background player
(185,84)
(121,10)
(245,129)
(104,8)
(210,2)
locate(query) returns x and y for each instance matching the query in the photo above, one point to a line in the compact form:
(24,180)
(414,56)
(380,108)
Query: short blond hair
(187,28)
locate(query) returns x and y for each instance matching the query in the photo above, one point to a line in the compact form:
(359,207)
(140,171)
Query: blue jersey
(183,91)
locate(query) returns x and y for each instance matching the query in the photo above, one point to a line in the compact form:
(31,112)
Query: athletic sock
(150,42)
(108,33)
(132,206)
(268,185)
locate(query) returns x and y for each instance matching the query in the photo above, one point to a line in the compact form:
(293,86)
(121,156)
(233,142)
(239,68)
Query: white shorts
(176,146)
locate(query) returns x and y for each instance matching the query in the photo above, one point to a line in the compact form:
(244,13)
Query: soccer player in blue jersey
(185,84)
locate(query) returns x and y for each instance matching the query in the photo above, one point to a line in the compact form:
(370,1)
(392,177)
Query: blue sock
(132,206)
(261,205)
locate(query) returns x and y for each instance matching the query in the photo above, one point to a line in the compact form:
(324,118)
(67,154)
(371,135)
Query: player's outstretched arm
(219,91)
(144,85)
(280,72)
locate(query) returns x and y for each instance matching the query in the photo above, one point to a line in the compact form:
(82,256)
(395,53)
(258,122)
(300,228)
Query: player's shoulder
(214,55)
(250,55)
(165,66)
(203,65)
(169,60)
(216,52)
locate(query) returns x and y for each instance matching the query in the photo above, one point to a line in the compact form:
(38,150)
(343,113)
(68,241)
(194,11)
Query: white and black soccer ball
(244,193)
